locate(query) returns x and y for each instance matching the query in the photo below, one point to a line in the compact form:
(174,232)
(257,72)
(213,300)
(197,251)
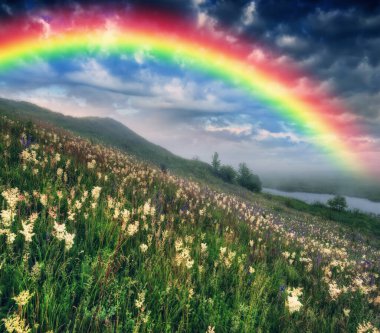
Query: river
(363,205)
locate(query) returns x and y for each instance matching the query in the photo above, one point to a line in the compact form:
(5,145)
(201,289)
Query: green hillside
(112,132)
(93,240)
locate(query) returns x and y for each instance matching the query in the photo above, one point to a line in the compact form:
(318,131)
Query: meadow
(94,240)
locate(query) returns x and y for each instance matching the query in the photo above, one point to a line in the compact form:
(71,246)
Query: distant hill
(112,132)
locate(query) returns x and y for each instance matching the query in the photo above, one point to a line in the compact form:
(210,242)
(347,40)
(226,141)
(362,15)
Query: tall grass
(94,241)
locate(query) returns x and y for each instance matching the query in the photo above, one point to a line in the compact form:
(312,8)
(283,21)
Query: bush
(337,203)
(247,179)
(227,173)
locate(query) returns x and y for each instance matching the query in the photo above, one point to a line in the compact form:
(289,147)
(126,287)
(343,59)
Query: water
(364,205)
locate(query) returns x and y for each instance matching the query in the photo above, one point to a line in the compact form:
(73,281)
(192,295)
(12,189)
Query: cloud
(205,21)
(263,135)
(7,9)
(92,73)
(234,129)
(249,13)
(290,42)
(46,29)
(257,54)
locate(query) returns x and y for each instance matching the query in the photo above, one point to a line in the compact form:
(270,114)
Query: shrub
(337,203)
(247,179)
(227,173)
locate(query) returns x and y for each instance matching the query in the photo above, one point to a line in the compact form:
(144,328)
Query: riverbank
(363,205)
(355,220)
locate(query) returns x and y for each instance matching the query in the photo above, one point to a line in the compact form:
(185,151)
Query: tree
(227,173)
(337,203)
(247,179)
(215,163)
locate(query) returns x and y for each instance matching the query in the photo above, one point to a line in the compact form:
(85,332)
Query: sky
(193,114)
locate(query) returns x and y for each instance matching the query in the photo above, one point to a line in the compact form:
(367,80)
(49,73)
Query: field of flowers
(93,240)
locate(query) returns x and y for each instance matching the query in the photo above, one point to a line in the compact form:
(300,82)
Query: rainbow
(282,87)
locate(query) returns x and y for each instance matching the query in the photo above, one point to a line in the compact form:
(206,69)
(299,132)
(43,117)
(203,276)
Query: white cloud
(139,57)
(264,134)
(182,94)
(94,74)
(235,129)
(290,42)
(205,21)
(249,13)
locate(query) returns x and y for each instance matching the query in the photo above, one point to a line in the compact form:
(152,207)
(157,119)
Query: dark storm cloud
(336,41)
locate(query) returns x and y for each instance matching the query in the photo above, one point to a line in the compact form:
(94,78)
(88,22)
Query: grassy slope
(109,131)
(94,285)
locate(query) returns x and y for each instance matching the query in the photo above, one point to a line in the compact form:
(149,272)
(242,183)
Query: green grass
(104,282)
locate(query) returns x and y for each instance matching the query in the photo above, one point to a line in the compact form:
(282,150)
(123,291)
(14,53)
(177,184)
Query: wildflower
(286,254)
(23,298)
(95,193)
(61,234)
(211,329)
(346,312)
(59,230)
(59,172)
(143,248)
(146,208)
(133,228)
(125,215)
(366,327)
(15,323)
(11,196)
(178,244)
(11,238)
(91,165)
(43,199)
(293,304)
(251,270)
(334,290)
(189,263)
(7,217)
(295,291)
(139,303)
(69,240)
(27,231)
(203,248)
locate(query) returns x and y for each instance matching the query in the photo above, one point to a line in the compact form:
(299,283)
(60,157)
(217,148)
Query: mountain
(111,132)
